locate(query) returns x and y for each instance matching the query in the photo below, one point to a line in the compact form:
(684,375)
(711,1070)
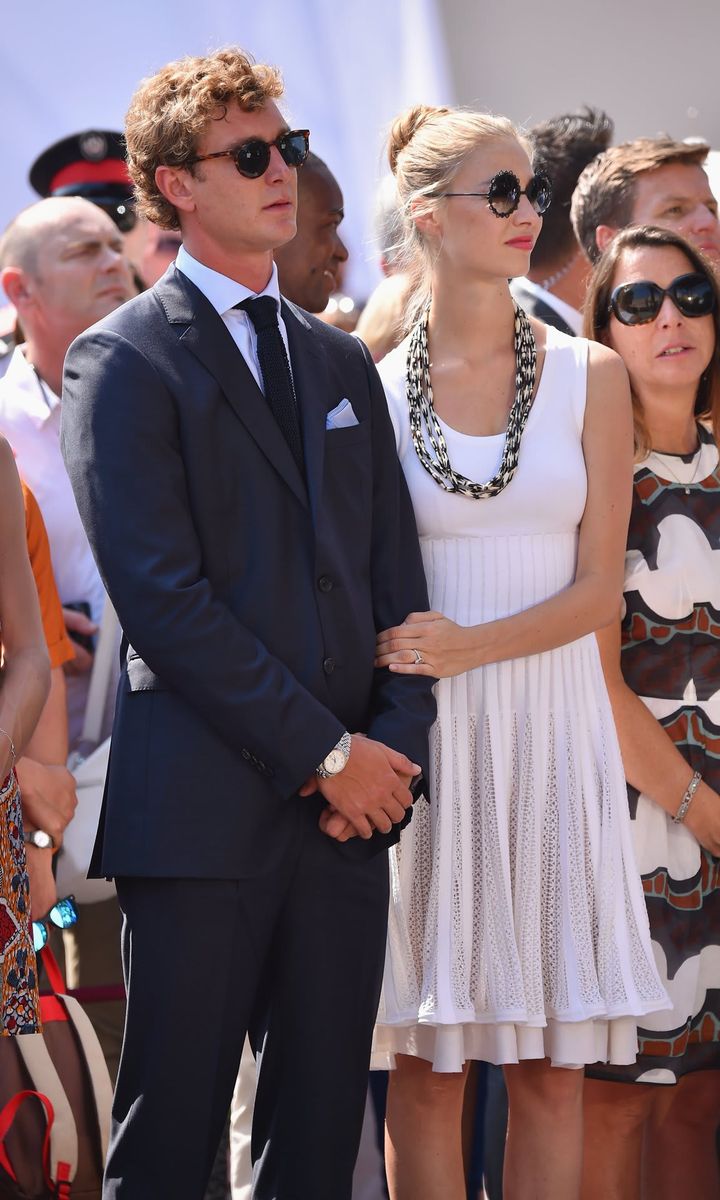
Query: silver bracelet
(687,799)
(12,748)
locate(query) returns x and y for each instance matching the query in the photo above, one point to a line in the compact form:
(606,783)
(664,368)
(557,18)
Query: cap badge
(93,147)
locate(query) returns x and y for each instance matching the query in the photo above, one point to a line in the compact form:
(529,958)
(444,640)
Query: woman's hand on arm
(652,762)
(444,648)
(594,596)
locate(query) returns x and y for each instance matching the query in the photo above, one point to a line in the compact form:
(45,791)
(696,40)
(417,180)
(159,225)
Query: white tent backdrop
(348,68)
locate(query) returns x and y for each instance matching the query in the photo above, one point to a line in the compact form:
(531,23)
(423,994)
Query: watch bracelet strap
(343,744)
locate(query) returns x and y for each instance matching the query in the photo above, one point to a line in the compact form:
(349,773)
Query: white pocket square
(341,417)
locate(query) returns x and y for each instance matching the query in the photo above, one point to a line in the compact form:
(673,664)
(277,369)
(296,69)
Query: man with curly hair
(235,467)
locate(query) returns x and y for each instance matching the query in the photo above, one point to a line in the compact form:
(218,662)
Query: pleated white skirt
(517,926)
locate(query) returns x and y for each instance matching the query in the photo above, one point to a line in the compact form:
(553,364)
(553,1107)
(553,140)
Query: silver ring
(418,657)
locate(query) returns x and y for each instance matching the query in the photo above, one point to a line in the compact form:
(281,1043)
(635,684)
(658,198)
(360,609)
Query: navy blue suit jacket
(250,599)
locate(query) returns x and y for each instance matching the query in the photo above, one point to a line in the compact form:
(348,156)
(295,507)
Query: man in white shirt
(554,290)
(62,266)
(239,482)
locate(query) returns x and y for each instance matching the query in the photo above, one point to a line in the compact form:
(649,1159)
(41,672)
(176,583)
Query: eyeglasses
(62,915)
(639,303)
(252,158)
(504,192)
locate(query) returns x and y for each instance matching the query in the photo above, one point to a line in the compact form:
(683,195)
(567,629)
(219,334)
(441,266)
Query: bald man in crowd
(63,267)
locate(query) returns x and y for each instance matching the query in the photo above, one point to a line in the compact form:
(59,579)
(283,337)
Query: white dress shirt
(30,420)
(571,316)
(224,293)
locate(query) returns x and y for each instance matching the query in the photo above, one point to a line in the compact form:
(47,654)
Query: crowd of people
(415,738)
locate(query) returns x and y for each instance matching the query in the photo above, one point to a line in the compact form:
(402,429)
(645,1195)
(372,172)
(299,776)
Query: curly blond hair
(170,110)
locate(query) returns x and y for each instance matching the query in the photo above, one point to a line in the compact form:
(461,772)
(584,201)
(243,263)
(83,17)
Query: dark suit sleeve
(403,707)
(122,447)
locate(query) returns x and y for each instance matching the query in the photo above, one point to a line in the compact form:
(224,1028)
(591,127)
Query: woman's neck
(670,420)
(475,318)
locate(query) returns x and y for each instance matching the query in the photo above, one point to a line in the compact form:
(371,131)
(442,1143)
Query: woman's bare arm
(652,762)
(25,678)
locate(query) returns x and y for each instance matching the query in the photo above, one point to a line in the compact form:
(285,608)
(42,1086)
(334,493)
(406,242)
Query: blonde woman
(517,928)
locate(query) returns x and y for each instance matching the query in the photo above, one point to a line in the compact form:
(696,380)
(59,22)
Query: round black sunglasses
(504,192)
(252,158)
(640,302)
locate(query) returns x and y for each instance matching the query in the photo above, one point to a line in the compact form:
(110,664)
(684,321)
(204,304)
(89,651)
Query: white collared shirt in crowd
(30,420)
(571,316)
(224,293)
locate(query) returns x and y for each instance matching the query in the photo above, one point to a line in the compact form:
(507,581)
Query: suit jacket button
(329,666)
(325,583)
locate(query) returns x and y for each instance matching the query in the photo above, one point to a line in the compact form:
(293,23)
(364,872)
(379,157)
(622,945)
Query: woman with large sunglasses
(654,300)
(517,927)
(24,684)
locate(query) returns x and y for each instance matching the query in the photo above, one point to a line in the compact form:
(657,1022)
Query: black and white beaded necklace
(423,416)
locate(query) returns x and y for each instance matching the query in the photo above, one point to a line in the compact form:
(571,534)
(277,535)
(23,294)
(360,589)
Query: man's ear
(175,183)
(14,283)
(604,234)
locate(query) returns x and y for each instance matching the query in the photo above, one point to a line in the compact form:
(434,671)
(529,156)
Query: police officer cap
(90,164)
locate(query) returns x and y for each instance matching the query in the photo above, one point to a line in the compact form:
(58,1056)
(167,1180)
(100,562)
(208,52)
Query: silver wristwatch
(39,838)
(333,763)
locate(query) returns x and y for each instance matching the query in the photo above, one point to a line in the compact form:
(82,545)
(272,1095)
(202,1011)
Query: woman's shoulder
(392,369)
(602,365)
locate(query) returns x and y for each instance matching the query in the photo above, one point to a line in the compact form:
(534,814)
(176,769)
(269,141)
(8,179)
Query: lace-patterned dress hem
(565,1043)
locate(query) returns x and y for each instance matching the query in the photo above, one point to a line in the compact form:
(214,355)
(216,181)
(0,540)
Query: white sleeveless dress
(517,926)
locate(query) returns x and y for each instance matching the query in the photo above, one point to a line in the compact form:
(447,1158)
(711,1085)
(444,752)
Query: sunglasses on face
(252,158)
(62,915)
(503,194)
(639,303)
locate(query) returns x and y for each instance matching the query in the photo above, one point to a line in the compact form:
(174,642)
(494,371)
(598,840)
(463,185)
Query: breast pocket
(350,435)
(348,473)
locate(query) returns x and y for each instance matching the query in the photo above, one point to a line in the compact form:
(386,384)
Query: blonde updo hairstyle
(426,148)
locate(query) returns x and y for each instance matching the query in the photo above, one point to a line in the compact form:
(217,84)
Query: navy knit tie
(275,368)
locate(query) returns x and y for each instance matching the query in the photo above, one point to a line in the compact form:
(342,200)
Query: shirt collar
(571,316)
(36,397)
(222,292)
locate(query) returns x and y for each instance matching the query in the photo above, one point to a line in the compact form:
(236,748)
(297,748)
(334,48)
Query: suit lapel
(312,389)
(207,337)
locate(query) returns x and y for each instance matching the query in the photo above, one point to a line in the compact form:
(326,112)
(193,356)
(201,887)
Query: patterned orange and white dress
(671,659)
(19,1004)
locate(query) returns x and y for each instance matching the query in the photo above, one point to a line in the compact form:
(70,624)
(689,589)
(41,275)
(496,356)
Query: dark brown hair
(170,111)
(563,147)
(597,304)
(605,192)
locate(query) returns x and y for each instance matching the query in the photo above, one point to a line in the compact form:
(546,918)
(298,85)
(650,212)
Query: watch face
(42,840)
(335,762)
